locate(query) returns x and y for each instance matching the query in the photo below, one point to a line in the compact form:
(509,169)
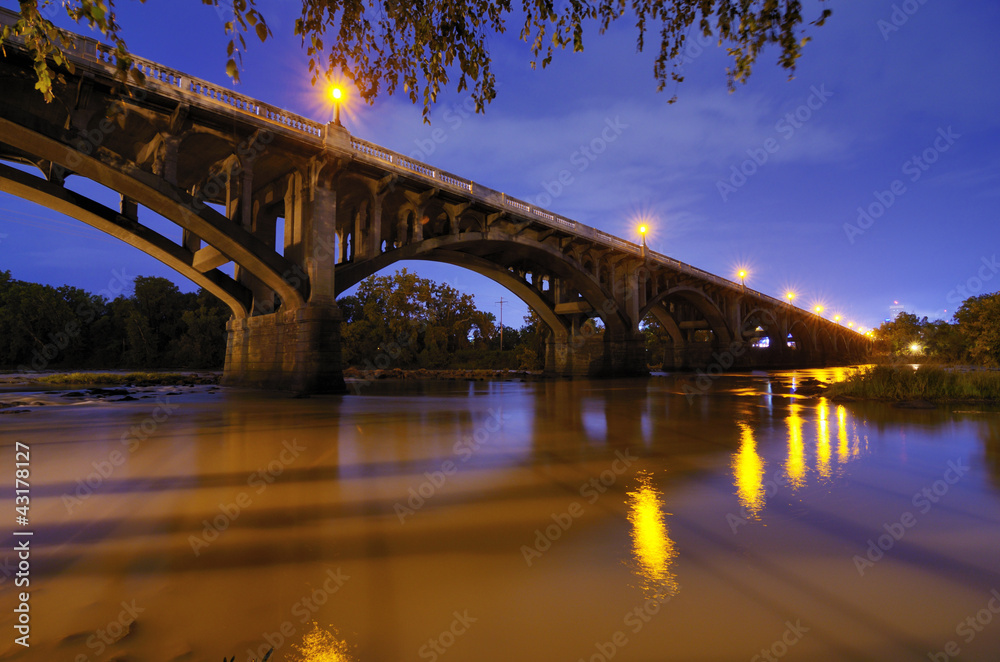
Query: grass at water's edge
(882,382)
(136,378)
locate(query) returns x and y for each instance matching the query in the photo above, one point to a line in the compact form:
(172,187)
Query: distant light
(851,324)
(836,318)
(336,93)
(643,229)
(742,274)
(789,295)
(818,309)
(914,348)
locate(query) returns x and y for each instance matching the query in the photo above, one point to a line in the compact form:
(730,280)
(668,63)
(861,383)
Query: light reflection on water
(652,549)
(748,473)
(795,464)
(322,645)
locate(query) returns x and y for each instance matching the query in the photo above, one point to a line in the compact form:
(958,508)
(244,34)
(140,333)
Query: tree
(897,335)
(422,46)
(203,342)
(979,323)
(404,320)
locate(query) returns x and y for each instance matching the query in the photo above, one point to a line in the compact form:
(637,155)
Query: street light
(789,295)
(836,318)
(818,309)
(743,276)
(643,229)
(337,94)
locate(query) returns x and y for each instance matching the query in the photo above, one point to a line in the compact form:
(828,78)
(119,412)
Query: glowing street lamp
(789,295)
(743,276)
(818,309)
(337,95)
(643,229)
(915,348)
(850,324)
(836,318)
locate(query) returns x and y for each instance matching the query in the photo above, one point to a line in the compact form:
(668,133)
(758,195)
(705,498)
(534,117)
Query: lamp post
(642,233)
(337,95)
(743,277)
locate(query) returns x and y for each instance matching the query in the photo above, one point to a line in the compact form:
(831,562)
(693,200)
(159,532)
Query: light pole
(642,233)
(743,277)
(501,302)
(337,95)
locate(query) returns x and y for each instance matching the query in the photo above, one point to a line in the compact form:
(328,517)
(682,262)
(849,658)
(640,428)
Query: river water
(505,520)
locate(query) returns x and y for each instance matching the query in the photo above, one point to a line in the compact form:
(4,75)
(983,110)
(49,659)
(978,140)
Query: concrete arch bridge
(305,210)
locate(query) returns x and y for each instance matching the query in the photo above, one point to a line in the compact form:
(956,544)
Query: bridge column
(296,348)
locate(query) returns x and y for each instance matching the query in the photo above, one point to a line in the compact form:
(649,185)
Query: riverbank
(112,378)
(918,383)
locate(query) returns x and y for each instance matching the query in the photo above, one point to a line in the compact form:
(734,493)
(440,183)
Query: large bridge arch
(469,250)
(698,300)
(58,198)
(156,194)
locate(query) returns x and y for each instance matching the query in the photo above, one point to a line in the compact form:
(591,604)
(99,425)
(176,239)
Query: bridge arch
(74,205)
(699,301)
(157,195)
(469,250)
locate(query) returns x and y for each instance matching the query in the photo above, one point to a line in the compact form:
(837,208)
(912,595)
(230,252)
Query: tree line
(395,321)
(972,338)
(154,326)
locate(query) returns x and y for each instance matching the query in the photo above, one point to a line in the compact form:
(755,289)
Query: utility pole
(501,302)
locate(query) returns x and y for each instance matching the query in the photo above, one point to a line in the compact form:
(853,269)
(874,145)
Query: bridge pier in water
(296,350)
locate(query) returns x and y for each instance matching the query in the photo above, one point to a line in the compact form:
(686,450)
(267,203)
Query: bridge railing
(213,93)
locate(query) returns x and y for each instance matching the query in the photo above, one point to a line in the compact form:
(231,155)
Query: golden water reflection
(822,440)
(748,473)
(843,448)
(652,549)
(321,645)
(804,452)
(795,465)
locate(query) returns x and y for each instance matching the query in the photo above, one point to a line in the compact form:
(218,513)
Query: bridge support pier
(592,356)
(295,350)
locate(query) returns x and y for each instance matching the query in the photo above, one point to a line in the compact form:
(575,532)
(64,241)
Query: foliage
(156,326)
(409,321)
(898,335)
(883,382)
(137,378)
(422,46)
(974,337)
(979,324)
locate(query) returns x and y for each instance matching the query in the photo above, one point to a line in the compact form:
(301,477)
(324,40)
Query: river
(504,520)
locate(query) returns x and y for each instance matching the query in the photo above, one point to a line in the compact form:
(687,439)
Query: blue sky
(897,118)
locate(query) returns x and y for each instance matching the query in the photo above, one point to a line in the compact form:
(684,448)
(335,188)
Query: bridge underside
(279,216)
